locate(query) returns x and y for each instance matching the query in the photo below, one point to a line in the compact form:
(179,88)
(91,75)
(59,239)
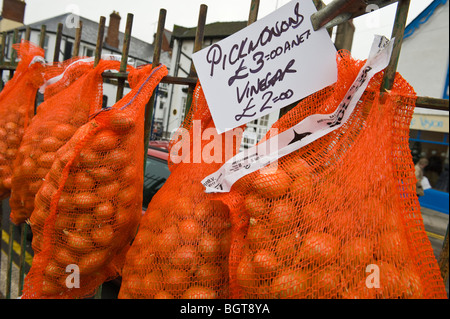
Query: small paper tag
(308,130)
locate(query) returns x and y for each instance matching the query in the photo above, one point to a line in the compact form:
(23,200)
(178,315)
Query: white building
(140,52)
(182,44)
(424,63)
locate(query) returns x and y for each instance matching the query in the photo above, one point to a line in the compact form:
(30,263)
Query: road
(435,223)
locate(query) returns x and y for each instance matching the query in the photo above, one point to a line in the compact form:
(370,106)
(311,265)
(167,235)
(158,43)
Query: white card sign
(306,131)
(269,64)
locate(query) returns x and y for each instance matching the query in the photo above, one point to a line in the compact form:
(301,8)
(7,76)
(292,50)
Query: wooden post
(23,244)
(2,58)
(1,227)
(253,13)
(344,36)
(125,50)
(432,103)
(12,231)
(198,43)
(58,43)
(155,62)
(27,33)
(76,45)
(319,6)
(24,226)
(42,35)
(398,31)
(443,258)
(100,36)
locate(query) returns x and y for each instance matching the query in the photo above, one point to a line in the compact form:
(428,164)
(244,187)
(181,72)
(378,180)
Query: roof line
(118,51)
(60,15)
(422,17)
(40,22)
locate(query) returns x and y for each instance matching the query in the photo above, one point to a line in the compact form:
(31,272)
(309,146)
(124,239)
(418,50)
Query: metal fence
(336,14)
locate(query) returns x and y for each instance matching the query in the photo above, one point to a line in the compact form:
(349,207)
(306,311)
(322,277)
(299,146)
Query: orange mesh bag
(181,248)
(57,119)
(89,206)
(338,218)
(17,101)
(60,75)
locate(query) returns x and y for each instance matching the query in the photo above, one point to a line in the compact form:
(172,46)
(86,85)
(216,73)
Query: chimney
(112,37)
(14,10)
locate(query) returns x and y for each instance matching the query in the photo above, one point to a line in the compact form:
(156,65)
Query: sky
(185,13)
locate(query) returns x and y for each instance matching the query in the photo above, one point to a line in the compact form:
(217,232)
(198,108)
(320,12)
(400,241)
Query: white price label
(305,132)
(272,63)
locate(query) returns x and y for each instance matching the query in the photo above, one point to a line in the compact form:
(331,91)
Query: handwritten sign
(269,64)
(306,131)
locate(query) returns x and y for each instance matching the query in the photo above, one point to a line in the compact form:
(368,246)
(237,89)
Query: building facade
(424,63)
(182,44)
(140,52)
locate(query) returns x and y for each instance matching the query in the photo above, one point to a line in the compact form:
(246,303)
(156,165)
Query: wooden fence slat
(27,33)
(77,42)
(42,36)
(100,36)
(124,61)
(198,43)
(151,103)
(2,58)
(58,43)
(398,31)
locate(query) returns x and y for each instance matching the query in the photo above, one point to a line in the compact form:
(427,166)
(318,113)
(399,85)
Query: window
(183,107)
(434,147)
(8,45)
(88,51)
(105,101)
(68,50)
(46,39)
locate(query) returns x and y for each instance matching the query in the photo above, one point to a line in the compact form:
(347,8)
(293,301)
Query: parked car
(156,174)
(156,171)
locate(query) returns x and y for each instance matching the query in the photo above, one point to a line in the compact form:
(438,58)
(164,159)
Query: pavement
(436,224)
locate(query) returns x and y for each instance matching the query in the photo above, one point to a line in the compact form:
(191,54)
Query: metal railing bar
(339,11)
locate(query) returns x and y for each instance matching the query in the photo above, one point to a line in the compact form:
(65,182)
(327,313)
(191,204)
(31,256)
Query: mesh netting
(17,101)
(89,206)
(327,222)
(181,248)
(340,213)
(64,110)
